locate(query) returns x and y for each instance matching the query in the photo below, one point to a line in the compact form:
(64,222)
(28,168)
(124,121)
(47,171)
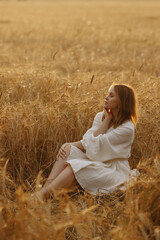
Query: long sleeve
(114,144)
(96,123)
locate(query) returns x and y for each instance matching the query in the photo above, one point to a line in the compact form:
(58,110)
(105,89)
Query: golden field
(57,60)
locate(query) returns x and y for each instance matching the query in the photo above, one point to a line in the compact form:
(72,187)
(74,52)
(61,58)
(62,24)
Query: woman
(99,162)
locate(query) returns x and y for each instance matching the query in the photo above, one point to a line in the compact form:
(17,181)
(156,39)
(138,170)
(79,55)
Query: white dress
(104,166)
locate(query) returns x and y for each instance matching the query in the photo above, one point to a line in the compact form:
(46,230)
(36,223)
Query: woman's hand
(106,118)
(107,115)
(62,153)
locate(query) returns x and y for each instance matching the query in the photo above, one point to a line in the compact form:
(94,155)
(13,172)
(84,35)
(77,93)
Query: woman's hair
(128,104)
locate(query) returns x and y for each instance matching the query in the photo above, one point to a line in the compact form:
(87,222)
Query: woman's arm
(102,129)
(115,144)
(105,124)
(62,152)
(78,145)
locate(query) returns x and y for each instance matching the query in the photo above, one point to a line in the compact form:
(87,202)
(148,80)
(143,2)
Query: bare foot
(40,196)
(37,197)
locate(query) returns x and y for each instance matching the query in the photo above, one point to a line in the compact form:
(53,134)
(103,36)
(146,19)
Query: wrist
(106,120)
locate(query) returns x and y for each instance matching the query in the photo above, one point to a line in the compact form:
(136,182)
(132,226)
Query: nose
(107,98)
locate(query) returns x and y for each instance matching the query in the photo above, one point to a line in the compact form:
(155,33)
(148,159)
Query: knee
(67,149)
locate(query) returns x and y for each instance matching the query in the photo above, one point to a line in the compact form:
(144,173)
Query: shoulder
(128,124)
(126,128)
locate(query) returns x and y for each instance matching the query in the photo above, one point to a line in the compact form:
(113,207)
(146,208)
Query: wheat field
(57,60)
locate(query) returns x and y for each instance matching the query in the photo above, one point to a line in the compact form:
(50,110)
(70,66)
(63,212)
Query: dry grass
(49,54)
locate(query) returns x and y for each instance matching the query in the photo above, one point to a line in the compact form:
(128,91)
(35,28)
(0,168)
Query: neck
(115,114)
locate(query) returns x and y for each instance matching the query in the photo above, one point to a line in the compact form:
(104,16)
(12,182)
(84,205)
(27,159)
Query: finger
(106,110)
(64,145)
(62,156)
(62,151)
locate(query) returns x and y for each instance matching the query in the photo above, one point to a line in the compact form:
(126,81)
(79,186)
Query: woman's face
(112,100)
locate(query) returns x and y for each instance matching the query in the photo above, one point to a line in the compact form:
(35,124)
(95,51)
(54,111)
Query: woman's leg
(59,165)
(64,180)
